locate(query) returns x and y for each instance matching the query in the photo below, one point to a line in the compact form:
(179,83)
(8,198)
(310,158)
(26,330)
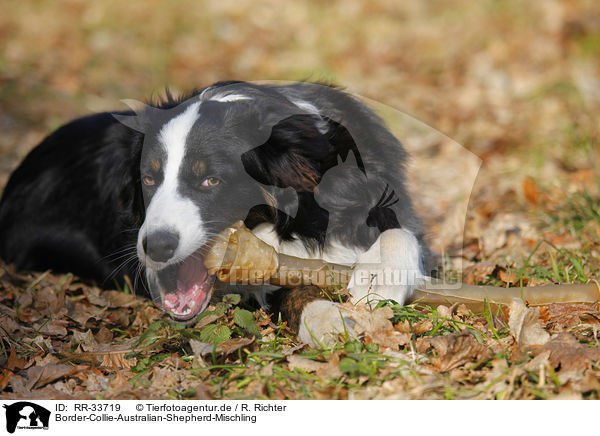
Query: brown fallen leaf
(82,312)
(208,319)
(46,301)
(563,315)
(119,299)
(507,277)
(303,363)
(117,361)
(95,296)
(55,327)
(104,336)
(146,315)
(5,375)
(85,339)
(234,344)
(14,362)
(479,272)
(29,315)
(453,350)
(523,324)
(531,191)
(120,317)
(568,354)
(164,377)
(226,347)
(322,369)
(110,355)
(9,326)
(200,348)
(424,326)
(376,326)
(39,376)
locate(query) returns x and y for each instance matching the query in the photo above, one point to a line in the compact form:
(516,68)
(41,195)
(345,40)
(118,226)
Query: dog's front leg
(308,311)
(390,269)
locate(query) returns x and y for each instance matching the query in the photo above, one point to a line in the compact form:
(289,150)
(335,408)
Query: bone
(239,257)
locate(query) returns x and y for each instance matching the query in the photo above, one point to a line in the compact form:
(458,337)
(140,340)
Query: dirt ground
(498,103)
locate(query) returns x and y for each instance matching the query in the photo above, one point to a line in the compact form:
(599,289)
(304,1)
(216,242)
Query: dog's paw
(390,269)
(322,322)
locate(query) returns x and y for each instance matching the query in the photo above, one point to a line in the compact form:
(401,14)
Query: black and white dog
(308,168)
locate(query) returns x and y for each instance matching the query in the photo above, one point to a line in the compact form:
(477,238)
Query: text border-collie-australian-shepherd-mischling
(310,170)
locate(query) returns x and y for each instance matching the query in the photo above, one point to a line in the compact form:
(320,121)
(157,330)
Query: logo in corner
(26,415)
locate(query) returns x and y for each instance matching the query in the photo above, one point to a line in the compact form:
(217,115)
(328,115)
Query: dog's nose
(160,245)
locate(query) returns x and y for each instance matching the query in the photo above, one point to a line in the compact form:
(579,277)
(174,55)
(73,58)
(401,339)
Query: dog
(308,168)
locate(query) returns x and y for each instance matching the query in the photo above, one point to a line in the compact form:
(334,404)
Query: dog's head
(210,161)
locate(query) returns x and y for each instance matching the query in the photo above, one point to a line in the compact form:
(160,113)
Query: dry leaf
(322,369)
(117,360)
(479,272)
(146,316)
(208,319)
(532,193)
(82,312)
(29,315)
(9,325)
(523,324)
(164,377)
(444,312)
(568,354)
(376,326)
(86,340)
(15,362)
(563,315)
(119,299)
(463,311)
(403,326)
(200,348)
(5,376)
(38,376)
(104,336)
(453,350)
(507,277)
(234,344)
(95,296)
(424,326)
(303,363)
(55,327)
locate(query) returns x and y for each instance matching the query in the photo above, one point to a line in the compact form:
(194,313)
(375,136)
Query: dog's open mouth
(185,288)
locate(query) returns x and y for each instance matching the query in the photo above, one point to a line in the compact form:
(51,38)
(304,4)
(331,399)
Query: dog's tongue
(192,289)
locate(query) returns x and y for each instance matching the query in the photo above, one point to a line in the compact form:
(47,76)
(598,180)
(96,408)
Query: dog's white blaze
(311,108)
(168,210)
(226,98)
(308,107)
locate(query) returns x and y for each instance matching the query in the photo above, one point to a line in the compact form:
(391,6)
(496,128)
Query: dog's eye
(210,182)
(148,181)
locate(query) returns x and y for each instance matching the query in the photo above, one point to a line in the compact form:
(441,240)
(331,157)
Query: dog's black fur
(76,202)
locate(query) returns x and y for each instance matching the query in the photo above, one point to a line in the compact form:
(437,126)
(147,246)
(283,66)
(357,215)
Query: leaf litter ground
(518,87)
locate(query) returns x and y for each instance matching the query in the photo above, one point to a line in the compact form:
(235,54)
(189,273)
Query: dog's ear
(291,156)
(131,118)
(140,116)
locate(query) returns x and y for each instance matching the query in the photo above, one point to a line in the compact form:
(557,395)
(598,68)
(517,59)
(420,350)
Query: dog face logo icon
(26,415)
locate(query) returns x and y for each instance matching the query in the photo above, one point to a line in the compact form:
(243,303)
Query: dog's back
(70,201)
